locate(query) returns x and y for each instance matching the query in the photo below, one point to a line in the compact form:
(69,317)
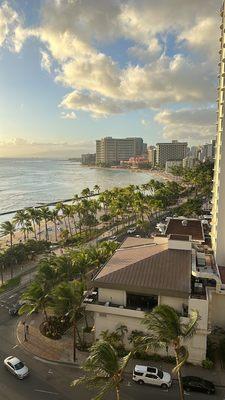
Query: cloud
(20,147)
(73,34)
(68,115)
(194,124)
(46,62)
(144,122)
(12,33)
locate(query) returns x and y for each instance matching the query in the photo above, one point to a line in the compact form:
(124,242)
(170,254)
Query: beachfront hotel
(111,151)
(218,211)
(179,268)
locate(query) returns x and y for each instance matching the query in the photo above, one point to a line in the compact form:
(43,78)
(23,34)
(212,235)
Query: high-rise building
(218,209)
(111,151)
(152,155)
(170,151)
(88,159)
(207,151)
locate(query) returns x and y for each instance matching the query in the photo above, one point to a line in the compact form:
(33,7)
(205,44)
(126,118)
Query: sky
(73,71)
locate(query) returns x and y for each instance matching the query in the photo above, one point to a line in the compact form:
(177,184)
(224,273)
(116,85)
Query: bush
(207,364)
(222,351)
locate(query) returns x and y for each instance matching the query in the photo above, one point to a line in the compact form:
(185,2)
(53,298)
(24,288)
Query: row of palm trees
(60,282)
(126,205)
(104,370)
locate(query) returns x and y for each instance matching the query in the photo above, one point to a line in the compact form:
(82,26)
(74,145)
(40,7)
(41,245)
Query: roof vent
(184,222)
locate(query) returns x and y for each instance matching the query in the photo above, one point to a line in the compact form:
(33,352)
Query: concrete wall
(114,296)
(175,302)
(112,317)
(218,310)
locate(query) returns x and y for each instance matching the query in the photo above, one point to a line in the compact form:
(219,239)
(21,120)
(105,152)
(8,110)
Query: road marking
(186,393)
(45,391)
(14,347)
(13,295)
(50,371)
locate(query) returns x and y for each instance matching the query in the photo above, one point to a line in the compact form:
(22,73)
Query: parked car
(196,384)
(13,311)
(131,230)
(145,374)
(112,238)
(16,367)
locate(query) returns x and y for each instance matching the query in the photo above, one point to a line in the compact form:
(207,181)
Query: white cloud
(68,115)
(20,147)
(192,124)
(144,122)
(71,33)
(12,34)
(46,62)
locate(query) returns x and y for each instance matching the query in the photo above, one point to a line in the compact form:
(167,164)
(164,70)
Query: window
(150,369)
(19,365)
(160,374)
(152,376)
(138,373)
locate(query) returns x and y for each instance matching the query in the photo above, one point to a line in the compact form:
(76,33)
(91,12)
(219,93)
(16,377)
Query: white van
(151,375)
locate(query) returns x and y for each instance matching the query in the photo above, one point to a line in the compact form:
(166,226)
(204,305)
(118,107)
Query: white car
(131,230)
(16,367)
(151,375)
(112,239)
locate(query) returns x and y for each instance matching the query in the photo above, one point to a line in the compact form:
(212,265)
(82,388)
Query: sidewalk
(43,347)
(62,351)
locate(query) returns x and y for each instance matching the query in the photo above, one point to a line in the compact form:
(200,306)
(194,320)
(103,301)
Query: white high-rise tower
(218,209)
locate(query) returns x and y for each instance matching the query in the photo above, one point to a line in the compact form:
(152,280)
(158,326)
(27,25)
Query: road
(49,381)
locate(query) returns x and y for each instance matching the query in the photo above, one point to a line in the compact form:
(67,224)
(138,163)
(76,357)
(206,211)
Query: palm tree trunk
(117,393)
(181,389)
(11,240)
(56,236)
(46,231)
(2,278)
(34,228)
(74,340)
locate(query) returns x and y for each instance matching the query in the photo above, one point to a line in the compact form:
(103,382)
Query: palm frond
(190,329)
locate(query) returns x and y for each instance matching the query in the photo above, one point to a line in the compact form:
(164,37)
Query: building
(169,270)
(151,155)
(207,151)
(218,207)
(88,159)
(173,163)
(170,151)
(189,162)
(111,151)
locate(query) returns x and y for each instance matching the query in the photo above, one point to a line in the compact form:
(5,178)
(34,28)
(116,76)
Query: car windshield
(19,365)
(160,374)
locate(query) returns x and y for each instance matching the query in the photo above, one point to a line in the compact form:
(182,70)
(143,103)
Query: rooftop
(185,226)
(141,266)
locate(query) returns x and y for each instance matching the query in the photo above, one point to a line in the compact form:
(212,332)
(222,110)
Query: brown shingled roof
(193,228)
(153,268)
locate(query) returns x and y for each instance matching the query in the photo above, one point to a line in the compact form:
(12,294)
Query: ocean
(29,182)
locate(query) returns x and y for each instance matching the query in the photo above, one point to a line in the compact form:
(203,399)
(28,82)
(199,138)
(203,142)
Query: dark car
(13,311)
(196,384)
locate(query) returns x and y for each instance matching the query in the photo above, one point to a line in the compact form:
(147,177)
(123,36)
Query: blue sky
(71,72)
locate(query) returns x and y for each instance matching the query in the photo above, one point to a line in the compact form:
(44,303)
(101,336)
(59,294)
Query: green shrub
(207,364)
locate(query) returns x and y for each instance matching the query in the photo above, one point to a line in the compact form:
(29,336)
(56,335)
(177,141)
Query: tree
(86,192)
(8,228)
(46,215)
(166,328)
(104,370)
(32,215)
(97,188)
(67,300)
(37,299)
(55,218)
(20,219)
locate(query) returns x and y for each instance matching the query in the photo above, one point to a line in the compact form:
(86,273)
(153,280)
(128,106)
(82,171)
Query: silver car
(16,367)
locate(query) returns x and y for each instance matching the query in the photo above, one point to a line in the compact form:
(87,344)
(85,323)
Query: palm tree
(19,219)
(8,228)
(37,299)
(55,218)
(86,192)
(67,299)
(32,215)
(104,369)
(97,188)
(46,215)
(166,328)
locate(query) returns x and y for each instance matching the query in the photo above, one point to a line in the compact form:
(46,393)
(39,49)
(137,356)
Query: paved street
(52,381)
